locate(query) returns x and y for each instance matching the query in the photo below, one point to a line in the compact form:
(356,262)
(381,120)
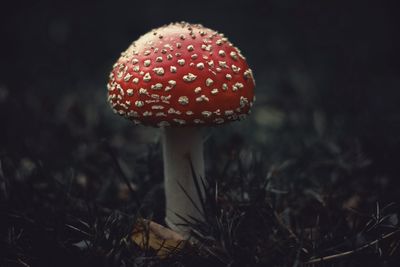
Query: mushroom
(181,77)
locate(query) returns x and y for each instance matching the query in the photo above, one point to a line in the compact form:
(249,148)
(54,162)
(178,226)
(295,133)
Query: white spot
(219,42)
(157,107)
(190,48)
(228,112)
(182,37)
(170,47)
(122,69)
(136,68)
(209,82)
(248,74)
(147,77)
(221,53)
(181,62)
(243,101)
(189,112)
(127,77)
(228,76)
(169,56)
(183,100)
(147,52)
(147,62)
(194,56)
(222,64)
(198,121)
(135,61)
(206,47)
(235,69)
(165,99)
(147,113)
(202,98)
(121,91)
(190,77)
(135,80)
(159,71)
(214,91)
(129,92)
(197,90)
(172,69)
(211,63)
(173,111)
(159,59)
(139,104)
(200,65)
(172,82)
(161,114)
(233,55)
(143,91)
(239,85)
(157,86)
(178,45)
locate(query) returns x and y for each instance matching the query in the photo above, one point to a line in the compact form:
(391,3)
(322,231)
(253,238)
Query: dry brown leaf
(150,235)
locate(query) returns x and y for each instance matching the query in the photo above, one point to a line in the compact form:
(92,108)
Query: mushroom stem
(179,145)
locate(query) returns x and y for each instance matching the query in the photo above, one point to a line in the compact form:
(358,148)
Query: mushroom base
(180,146)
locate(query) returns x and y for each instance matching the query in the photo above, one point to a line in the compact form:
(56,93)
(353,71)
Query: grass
(323,209)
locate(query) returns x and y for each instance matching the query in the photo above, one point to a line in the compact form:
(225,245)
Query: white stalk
(180,144)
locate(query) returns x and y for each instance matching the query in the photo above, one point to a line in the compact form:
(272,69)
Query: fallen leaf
(150,235)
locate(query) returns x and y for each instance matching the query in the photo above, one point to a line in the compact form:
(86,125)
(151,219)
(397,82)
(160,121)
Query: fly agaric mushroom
(181,77)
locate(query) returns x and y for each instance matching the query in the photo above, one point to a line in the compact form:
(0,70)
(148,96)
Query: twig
(23,263)
(351,252)
(283,225)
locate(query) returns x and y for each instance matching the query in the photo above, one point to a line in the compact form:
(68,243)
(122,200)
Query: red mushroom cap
(181,74)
